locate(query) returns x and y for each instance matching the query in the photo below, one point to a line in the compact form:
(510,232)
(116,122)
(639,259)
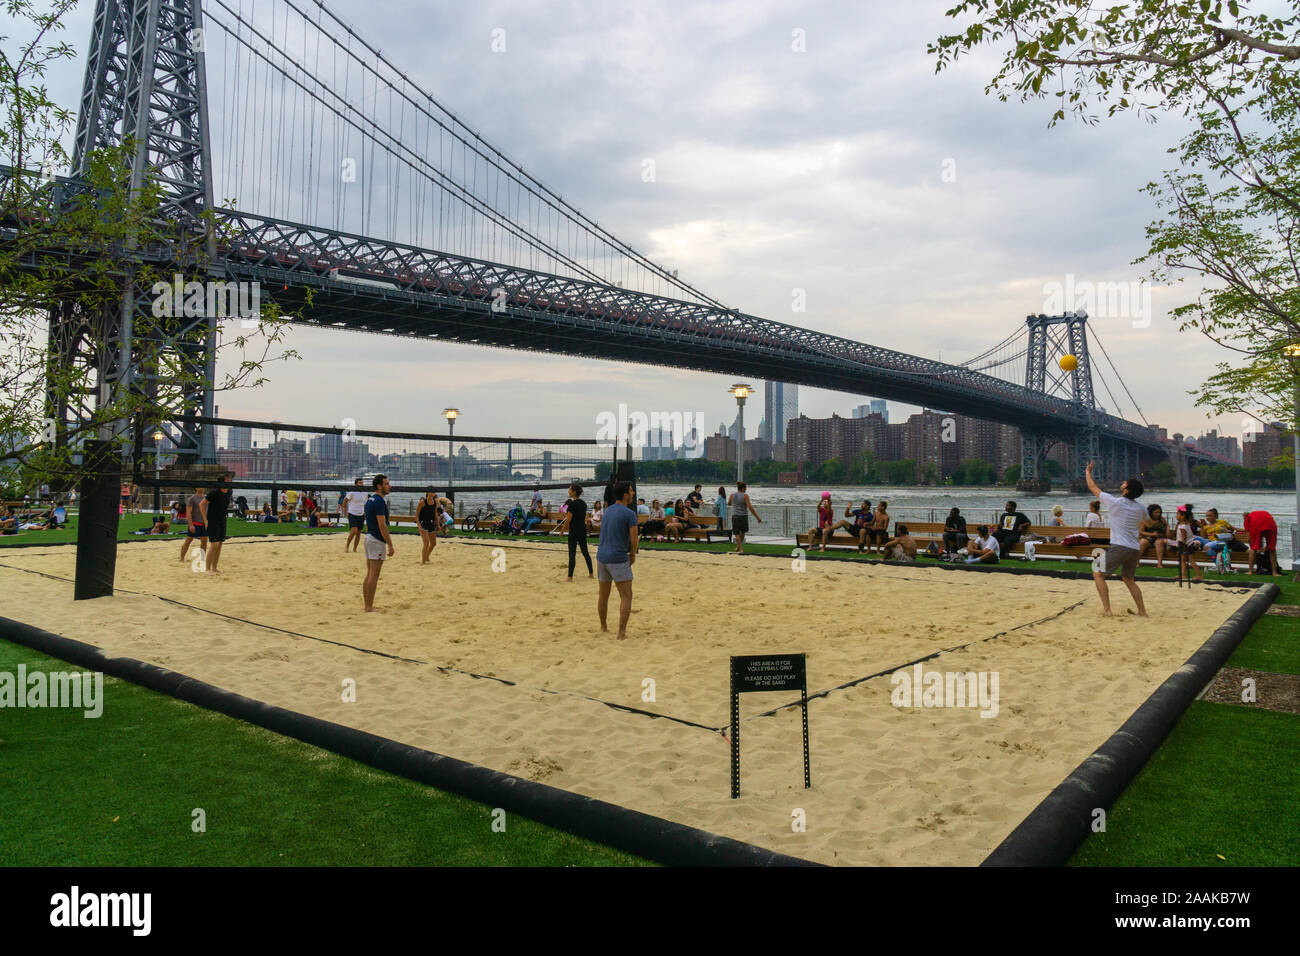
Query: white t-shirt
(357,502)
(1126,517)
(986,544)
(1093,520)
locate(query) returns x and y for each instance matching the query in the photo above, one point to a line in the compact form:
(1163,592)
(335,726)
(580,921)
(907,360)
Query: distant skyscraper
(780,404)
(874,407)
(241,438)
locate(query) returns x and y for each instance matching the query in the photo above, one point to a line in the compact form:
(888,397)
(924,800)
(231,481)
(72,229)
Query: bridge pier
(1033,449)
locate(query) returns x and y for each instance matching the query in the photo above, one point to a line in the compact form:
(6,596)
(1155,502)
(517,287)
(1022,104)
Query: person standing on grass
(1126,517)
(1262,529)
(575,520)
(741,509)
(377,539)
(616,555)
(213,509)
(720,506)
(356,511)
(195,529)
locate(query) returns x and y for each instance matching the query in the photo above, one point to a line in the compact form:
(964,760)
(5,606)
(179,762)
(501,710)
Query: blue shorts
(198,531)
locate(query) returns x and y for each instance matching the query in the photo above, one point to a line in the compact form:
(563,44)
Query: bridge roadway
(390,288)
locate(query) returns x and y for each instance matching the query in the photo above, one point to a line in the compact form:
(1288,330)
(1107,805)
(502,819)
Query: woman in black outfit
(426,516)
(576,521)
(954,532)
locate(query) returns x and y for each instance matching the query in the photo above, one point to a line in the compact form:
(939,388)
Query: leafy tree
(76,248)
(1229,213)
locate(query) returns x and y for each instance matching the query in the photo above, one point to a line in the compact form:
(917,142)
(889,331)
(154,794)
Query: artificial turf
(1223,790)
(122,790)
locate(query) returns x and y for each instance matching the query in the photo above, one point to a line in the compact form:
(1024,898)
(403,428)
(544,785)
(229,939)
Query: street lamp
(450,414)
(157,470)
(742,392)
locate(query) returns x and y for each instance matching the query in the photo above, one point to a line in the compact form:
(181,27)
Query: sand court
(891,785)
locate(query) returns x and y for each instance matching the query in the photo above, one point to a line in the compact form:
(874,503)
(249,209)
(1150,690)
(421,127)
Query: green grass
(120,790)
(237,527)
(1225,783)
(1273,644)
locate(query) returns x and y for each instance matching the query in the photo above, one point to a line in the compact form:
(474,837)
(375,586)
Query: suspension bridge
(357,201)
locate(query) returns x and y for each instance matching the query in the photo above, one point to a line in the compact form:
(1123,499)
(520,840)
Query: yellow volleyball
(1069,363)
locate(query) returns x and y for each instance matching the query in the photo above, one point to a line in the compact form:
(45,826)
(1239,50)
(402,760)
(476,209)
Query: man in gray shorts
(379,544)
(1126,517)
(615,556)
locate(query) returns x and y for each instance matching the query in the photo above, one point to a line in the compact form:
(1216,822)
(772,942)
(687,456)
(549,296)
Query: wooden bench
(925,532)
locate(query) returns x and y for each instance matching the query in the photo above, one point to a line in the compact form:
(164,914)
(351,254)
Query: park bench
(925,532)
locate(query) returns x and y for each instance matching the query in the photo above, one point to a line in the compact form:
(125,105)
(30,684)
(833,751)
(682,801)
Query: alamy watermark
(211,299)
(678,430)
(1102,300)
(78,690)
(917,687)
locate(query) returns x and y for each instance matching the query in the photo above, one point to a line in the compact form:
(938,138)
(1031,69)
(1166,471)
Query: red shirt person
(1263,535)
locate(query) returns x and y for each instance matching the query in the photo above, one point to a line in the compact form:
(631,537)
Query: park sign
(767,672)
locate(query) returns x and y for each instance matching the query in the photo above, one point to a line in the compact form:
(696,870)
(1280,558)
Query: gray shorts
(1120,558)
(613,572)
(376,549)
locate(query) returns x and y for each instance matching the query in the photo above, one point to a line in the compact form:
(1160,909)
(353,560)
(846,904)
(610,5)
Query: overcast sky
(917,212)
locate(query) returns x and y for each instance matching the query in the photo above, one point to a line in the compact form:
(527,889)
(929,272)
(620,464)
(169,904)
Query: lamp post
(157,470)
(451,414)
(741,391)
(275,468)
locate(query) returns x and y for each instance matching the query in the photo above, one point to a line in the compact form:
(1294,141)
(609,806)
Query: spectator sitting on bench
(1222,537)
(1093,517)
(593,518)
(642,509)
(1011,528)
(1058,520)
(901,548)
(657,521)
(1154,533)
(673,524)
(825,518)
(985,549)
(954,532)
(536,515)
(879,533)
(853,527)
(266,514)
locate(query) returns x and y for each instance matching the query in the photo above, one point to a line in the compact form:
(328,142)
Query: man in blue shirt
(377,538)
(615,556)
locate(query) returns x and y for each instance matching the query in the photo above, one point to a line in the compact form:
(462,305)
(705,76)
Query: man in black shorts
(195,529)
(214,508)
(354,506)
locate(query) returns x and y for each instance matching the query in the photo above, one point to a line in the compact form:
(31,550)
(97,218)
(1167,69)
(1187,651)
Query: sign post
(766,672)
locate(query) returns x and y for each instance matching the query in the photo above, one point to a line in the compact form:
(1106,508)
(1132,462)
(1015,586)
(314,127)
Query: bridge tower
(145,85)
(1050,337)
